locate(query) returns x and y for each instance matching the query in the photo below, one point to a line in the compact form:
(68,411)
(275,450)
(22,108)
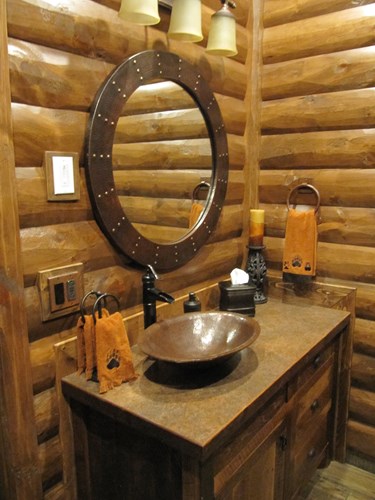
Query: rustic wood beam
(281,12)
(19,473)
(344,30)
(344,70)
(348,109)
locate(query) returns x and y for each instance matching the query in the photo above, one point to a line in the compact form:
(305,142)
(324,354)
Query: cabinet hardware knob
(316,361)
(283,440)
(315,405)
(312,453)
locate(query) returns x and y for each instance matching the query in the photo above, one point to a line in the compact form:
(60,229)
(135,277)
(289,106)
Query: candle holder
(257,271)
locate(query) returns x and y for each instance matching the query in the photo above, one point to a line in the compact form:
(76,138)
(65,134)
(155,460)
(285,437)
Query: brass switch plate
(60,290)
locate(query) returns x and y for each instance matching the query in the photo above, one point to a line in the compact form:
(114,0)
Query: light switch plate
(60,290)
(62,175)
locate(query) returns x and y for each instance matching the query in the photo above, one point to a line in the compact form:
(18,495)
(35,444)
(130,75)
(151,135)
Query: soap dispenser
(192,304)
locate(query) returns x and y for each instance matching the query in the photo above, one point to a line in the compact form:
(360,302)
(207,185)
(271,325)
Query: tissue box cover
(237,298)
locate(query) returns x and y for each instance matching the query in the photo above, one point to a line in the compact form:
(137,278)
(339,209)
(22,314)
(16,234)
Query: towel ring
(97,305)
(82,303)
(198,187)
(304,186)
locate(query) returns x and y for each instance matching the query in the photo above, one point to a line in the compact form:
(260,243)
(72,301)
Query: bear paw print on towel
(113,359)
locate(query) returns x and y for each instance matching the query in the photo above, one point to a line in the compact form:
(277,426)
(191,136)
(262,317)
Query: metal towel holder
(303,188)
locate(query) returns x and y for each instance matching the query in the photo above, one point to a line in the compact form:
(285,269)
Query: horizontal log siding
(317,126)
(58,58)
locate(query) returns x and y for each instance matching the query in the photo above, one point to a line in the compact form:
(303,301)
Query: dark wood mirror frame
(146,67)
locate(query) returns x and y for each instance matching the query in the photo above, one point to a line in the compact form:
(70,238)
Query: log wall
(318,126)
(58,55)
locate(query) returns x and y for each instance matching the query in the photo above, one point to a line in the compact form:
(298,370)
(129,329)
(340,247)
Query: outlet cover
(60,290)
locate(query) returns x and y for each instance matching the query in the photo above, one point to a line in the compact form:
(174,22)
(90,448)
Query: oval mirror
(161,136)
(157,159)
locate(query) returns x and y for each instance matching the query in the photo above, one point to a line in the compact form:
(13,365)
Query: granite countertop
(191,410)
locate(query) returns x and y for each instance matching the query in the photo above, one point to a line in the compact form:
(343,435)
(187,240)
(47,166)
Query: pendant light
(222,35)
(186,21)
(144,12)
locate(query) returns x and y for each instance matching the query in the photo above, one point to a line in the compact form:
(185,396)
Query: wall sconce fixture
(186,22)
(143,12)
(222,35)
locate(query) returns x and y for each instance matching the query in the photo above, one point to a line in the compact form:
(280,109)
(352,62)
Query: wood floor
(341,482)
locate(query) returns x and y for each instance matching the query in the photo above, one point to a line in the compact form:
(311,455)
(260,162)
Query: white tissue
(302,208)
(239,277)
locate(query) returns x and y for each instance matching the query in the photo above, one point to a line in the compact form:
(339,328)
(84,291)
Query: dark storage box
(237,298)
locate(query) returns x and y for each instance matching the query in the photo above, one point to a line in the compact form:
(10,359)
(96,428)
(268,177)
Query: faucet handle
(150,269)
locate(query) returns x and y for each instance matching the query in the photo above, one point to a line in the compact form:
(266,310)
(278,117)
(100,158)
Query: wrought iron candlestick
(257,271)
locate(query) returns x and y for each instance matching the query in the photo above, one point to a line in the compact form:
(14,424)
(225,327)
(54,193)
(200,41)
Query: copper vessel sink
(199,338)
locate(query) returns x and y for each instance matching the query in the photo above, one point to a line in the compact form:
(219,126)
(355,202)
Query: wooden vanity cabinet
(257,433)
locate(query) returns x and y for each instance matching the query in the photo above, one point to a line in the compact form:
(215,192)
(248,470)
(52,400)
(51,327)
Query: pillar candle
(256,228)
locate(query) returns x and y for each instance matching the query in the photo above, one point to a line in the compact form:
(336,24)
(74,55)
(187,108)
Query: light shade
(222,35)
(186,21)
(144,12)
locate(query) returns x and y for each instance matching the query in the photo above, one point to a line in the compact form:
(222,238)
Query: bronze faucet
(151,295)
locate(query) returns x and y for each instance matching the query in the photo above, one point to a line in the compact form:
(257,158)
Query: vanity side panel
(118,462)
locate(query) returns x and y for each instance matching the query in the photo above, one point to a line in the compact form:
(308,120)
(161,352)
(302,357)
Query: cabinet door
(261,475)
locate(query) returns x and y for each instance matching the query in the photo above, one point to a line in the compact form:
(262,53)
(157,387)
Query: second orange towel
(300,243)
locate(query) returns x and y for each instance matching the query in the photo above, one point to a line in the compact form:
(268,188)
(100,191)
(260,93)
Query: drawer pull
(312,453)
(283,440)
(315,405)
(317,361)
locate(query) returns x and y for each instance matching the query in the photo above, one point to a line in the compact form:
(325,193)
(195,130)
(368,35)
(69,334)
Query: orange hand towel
(81,351)
(86,341)
(89,343)
(300,243)
(115,363)
(195,212)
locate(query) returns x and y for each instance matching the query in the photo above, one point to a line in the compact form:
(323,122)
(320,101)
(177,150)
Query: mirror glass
(162,160)
(156,159)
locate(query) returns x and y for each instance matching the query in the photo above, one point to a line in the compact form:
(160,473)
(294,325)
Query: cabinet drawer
(309,450)
(309,372)
(315,398)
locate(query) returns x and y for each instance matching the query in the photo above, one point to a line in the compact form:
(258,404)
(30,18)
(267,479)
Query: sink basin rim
(249,332)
